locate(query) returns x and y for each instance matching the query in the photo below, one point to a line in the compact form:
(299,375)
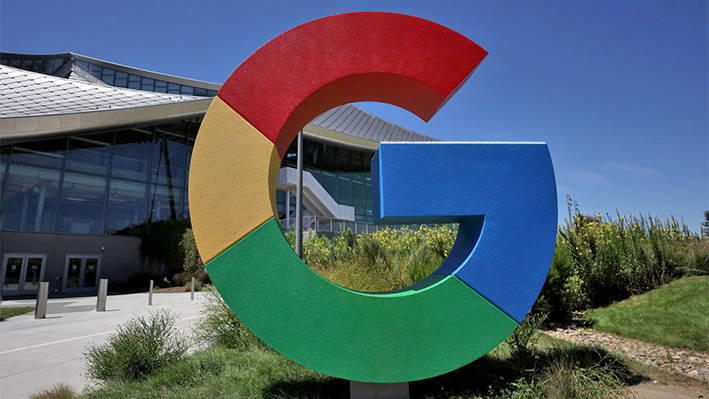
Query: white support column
(299,200)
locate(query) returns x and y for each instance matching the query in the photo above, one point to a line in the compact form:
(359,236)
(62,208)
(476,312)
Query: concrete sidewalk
(34,354)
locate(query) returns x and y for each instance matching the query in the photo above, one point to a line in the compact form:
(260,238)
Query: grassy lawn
(674,315)
(7,312)
(554,369)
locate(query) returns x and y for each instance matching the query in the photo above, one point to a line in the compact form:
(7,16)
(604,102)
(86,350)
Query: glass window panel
(359,165)
(317,174)
(190,148)
(161,86)
(32,275)
(368,198)
(108,75)
(173,88)
(344,191)
(108,80)
(147,84)
(211,93)
(73,273)
(343,160)
(83,64)
(90,154)
(329,182)
(187,90)
(43,153)
(131,156)
(82,205)
(30,199)
(291,157)
(95,70)
(329,157)
(5,153)
(169,156)
(121,79)
(164,203)
(133,81)
(281,203)
(312,157)
(360,202)
(3,171)
(90,270)
(200,92)
(185,197)
(13,268)
(126,207)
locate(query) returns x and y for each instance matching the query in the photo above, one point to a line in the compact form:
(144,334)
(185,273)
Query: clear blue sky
(618,89)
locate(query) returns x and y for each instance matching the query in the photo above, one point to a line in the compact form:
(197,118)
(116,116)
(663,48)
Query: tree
(705,225)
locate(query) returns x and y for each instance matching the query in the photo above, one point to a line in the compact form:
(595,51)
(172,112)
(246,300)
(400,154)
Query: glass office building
(91,153)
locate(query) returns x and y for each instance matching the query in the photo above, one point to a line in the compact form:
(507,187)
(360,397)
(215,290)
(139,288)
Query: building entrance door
(81,272)
(21,273)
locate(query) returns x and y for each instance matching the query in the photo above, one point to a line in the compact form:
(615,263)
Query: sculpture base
(368,390)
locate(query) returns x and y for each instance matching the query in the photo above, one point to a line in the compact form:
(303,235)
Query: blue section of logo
(502,195)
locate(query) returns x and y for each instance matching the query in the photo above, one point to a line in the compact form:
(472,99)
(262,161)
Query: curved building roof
(25,93)
(67,93)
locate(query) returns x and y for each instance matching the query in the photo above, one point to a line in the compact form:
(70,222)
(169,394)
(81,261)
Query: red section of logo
(341,59)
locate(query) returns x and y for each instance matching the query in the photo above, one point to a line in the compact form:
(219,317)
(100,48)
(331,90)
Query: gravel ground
(691,363)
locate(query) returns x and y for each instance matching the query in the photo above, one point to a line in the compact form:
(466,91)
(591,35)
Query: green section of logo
(435,327)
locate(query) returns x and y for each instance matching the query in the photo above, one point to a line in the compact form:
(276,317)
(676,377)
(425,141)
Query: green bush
(56,391)
(599,260)
(219,325)
(139,348)
(192,262)
(160,242)
(524,336)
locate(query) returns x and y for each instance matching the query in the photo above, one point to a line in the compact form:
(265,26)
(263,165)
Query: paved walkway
(34,354)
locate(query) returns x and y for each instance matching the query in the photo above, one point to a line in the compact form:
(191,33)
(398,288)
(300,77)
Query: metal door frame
(23,270)
(82,271)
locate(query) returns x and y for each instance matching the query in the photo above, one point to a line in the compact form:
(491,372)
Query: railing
(317,224)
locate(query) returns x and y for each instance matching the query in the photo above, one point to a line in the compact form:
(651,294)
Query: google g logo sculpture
(503,196)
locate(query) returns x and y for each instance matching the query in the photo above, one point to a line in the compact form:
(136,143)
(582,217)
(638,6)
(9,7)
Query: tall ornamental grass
(385,260)
(601,259)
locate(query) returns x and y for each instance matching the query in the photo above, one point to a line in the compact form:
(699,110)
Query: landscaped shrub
(523,337)
(192,262)
(219,325)
(600,259)
(56,391)
(140,347)
(160,242)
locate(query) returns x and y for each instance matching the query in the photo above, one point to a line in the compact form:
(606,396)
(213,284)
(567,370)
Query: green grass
(674,315)
(7,312)
(229,373)
(550,370)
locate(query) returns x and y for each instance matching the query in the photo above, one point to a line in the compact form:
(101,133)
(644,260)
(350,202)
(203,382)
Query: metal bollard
(40,309)
(192,290)
(102,293)
(150,293)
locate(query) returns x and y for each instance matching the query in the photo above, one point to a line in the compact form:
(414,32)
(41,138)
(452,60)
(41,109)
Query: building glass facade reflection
(104,183)
(343,172)
(120,181)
